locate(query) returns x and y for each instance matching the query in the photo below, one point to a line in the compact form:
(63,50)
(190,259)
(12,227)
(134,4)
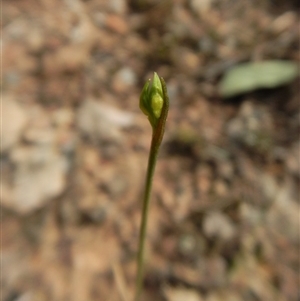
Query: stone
(28,296)
(100,121)
(252,127)
(284,22)
(118,6)
(186,60)
(14,120)
(124,79)
(292,159)
(179,294)
(223,296)
(219,226)
(35,40)
(63,117)
(69,58)
(116,24)
(283,216)
(200,7)
(39,177)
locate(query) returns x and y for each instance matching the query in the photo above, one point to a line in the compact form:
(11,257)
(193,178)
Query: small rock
(220,188)
(17,29)
(283,217)
(12,78)
(186,60)
(200,7)
(116,24)
(118,6)
(99,18)
(102,122)
(41,136)
(63,117)
(292,160)
(226,169)
(187,244)
(69,58)
(184,24)
(250,214)
(207,45)
(39,177)
(269,186)
(14,120)
(253,126)
(84,34)
(124,79)
(235,128)
(219,226)
(204,178)
(223,296)
(179,294)
(25,297)
(284,22)
(214,271)
(35,40)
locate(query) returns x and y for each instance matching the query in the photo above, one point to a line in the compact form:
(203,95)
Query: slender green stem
(148,186)
(157,135)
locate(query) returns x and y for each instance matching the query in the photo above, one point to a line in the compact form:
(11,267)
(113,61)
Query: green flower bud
(151,99)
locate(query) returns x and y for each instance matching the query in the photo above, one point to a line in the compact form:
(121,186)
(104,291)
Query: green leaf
(256,75)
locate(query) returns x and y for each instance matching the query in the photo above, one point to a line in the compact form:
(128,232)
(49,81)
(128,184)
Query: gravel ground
(224,214)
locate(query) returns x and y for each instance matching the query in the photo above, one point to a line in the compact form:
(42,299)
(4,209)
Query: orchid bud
(151,99)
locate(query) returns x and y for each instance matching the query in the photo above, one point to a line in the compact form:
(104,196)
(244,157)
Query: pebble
(179,294)
(226,169)
(215,271)
(252,126)
(187,244)
(220,188)
(39,177)
(118,6)
(17,29)
(218,226)
(116,24)
(69,58)
(235,128)
(283,216)
(292,159)
(200,7)
(189,62)
(13,122)
(63,117)
(40,169)
(35,40)
(28,296)
(101,121)
(124,79)
(250,215)
(223,296)
(84,35)
(284,22)
(38,135)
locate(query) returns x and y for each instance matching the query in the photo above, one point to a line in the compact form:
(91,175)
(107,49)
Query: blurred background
(224,214)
